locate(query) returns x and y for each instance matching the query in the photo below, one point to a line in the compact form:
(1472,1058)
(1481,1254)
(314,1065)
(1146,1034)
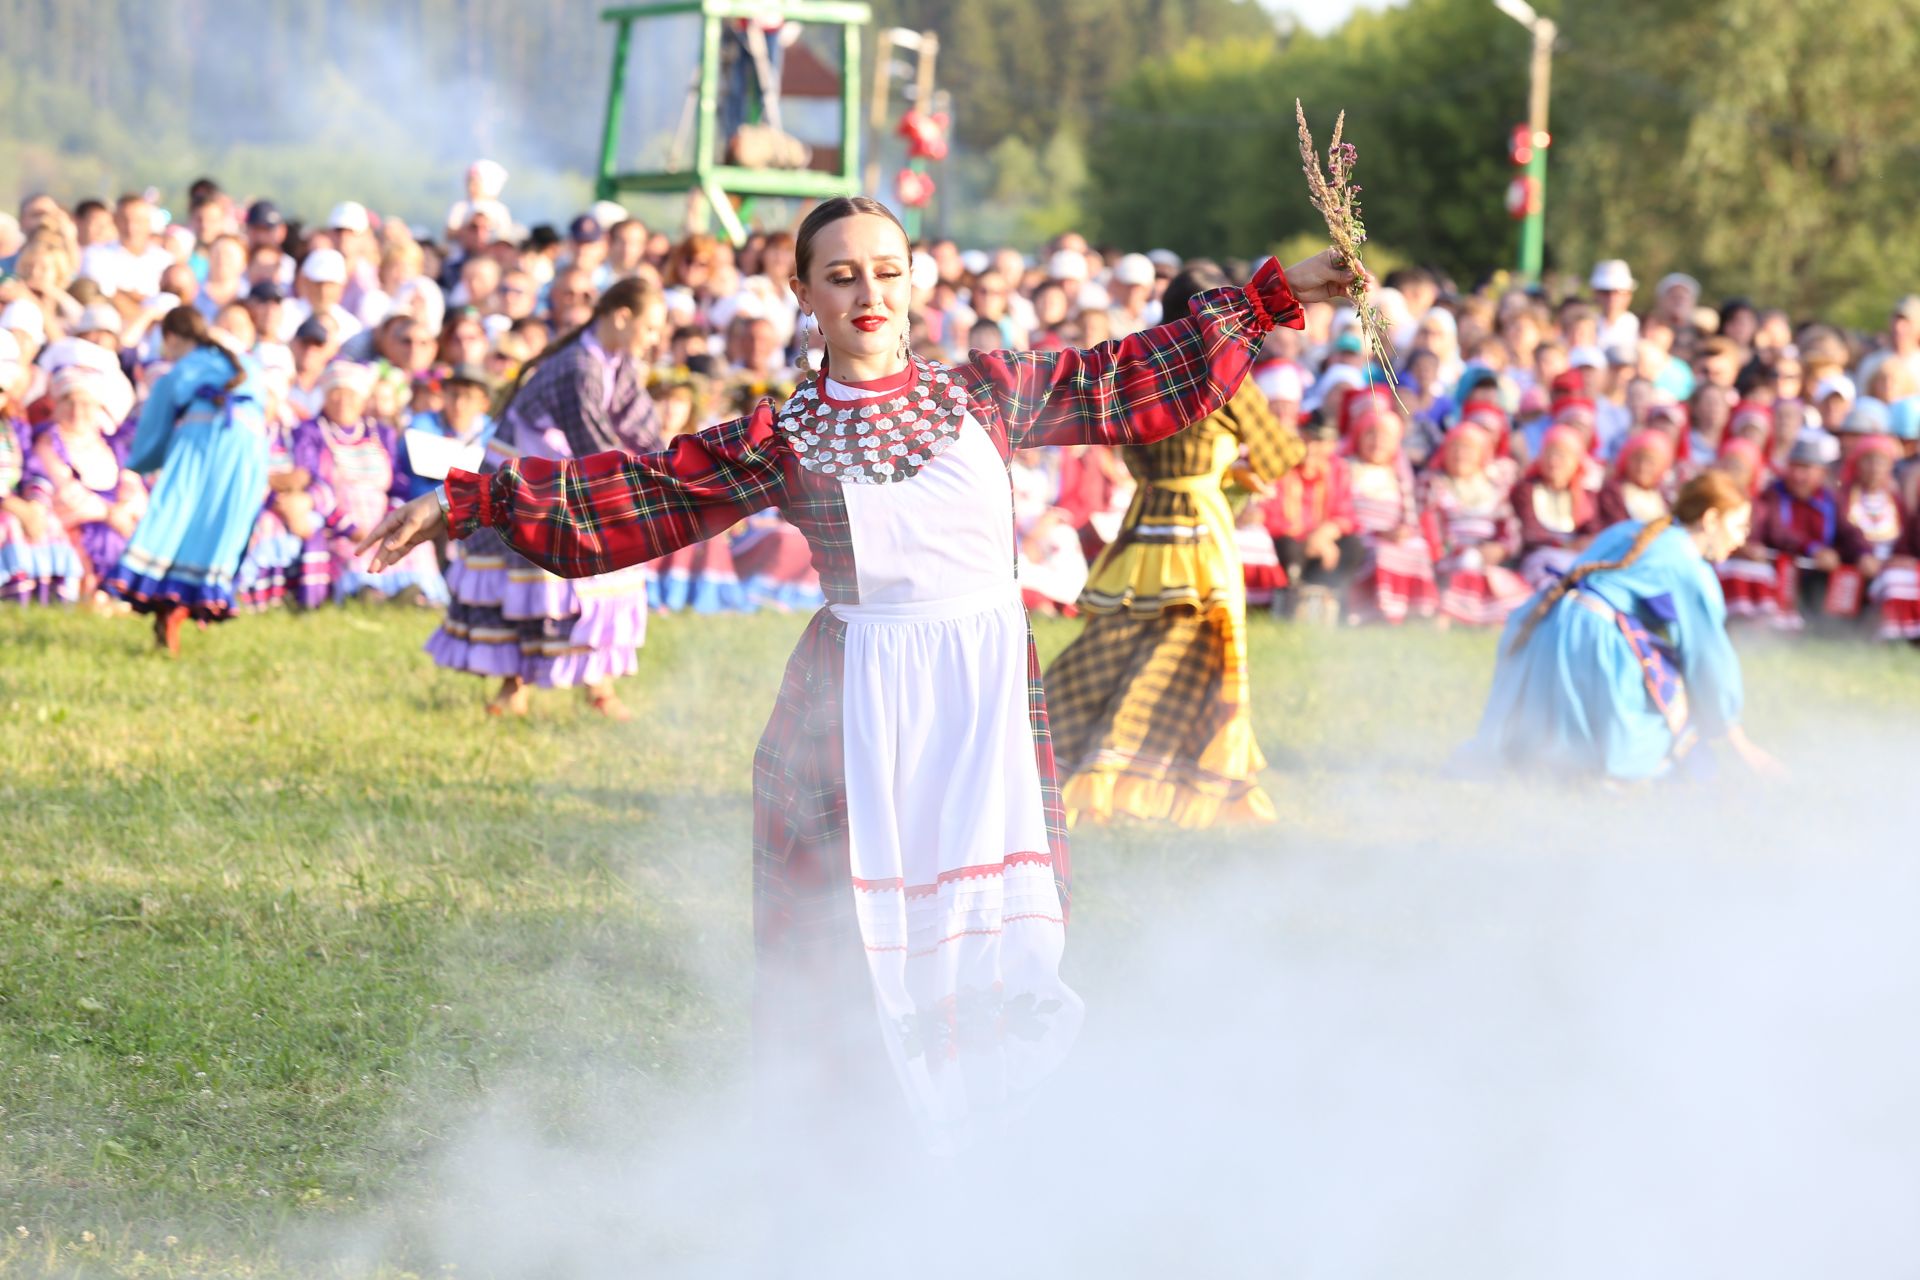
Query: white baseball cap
(1613,273)
(324,266)
(1673,278)
(1133,269)
(1164,258)
(1067,264)
(1835,384)
(1586,358)
(975,261)
(349,215)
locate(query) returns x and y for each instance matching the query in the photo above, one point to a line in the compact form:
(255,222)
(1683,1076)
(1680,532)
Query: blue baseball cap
(1903,418)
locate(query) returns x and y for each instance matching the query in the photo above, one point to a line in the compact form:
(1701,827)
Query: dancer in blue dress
(204,430)
(1621,666)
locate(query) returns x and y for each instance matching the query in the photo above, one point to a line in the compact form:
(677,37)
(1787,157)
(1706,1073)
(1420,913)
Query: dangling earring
(903,346)
(805,363)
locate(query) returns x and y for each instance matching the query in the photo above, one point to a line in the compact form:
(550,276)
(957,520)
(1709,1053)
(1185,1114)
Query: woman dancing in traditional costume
(1151,715)
(510,616)
(204,429)
(910,853)
(1619,667)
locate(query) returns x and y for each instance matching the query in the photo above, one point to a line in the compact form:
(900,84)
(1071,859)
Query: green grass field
(278,917)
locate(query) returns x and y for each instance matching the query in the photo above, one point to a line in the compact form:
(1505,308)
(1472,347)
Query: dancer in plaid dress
(910,854)
(1150,705)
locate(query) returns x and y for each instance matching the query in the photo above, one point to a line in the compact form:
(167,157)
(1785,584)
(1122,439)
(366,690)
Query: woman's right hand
(404,529)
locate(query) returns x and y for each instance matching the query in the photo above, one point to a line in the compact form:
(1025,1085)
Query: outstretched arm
(592,515)
(1147,386)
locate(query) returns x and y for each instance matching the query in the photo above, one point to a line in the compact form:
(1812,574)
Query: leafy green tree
(1200,150)
(1769,149)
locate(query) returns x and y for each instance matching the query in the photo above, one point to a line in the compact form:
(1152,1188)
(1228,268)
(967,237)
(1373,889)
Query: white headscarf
(433,309)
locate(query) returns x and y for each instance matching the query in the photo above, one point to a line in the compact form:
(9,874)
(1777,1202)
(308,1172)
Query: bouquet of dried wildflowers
(1337,197)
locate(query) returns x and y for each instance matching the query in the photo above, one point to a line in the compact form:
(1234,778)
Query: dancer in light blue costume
(1619,668)
(204,430)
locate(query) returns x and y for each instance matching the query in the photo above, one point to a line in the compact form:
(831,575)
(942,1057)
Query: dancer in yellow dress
(1150,703)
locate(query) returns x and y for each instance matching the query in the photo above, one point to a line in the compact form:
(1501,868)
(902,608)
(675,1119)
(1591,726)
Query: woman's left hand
(1321,278)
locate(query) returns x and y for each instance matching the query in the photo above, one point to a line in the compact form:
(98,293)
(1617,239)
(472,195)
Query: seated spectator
(1468,520)
(1396,578)
(1558,514)
(359,462)
(1798,519)
(75,469)
(1870,506)
(38,563)
(1641,485)
(1311,521)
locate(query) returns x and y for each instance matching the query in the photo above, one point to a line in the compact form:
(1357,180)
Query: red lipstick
(870,324)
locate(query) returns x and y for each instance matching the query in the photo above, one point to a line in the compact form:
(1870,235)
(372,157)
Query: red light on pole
(1520,145)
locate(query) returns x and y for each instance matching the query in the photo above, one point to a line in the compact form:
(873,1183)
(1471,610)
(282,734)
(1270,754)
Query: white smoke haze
(362,108)
(1522,1032)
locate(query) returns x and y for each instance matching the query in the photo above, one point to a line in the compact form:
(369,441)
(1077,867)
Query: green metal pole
(603,187)
(705,125)
(850,105)
(1533,232)
(707,119)
(1533,228)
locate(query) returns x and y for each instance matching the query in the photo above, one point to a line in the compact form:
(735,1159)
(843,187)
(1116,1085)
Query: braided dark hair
(186,322)
(1708,491)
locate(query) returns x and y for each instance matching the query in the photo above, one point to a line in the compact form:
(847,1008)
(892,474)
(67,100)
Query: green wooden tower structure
(719,182)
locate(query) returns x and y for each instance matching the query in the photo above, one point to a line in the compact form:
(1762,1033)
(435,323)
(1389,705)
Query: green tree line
(1769,148)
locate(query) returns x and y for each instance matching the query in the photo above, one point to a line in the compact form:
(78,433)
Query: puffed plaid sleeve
(1140,388)
(583,516)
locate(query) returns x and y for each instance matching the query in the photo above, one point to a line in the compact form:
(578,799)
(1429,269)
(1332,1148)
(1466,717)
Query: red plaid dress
(595,514)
